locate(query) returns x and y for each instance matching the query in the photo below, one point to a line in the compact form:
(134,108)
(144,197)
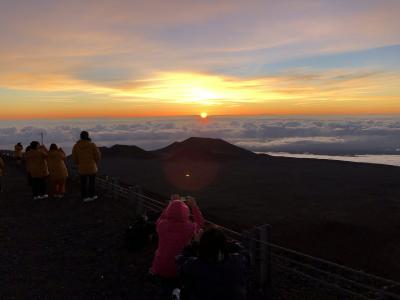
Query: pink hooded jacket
(175,231)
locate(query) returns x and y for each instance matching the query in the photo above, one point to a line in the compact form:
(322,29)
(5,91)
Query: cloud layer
(373,135)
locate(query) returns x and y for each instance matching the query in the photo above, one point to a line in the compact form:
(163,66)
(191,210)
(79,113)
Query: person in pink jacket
(176,229)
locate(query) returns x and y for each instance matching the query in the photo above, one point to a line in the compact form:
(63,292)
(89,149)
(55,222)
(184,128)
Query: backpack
(139,234)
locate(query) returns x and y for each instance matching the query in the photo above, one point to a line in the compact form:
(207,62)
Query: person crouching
(213,269)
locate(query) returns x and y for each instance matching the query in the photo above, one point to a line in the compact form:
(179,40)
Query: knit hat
(85,135)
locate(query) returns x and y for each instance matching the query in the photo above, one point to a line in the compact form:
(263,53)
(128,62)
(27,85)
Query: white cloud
(293,134)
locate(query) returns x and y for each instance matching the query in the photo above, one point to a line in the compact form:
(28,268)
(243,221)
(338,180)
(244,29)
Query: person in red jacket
(175,230)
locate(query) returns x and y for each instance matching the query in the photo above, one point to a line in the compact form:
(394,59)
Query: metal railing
(269,258)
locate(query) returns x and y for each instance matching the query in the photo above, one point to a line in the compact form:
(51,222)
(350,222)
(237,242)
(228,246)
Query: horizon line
(209,116)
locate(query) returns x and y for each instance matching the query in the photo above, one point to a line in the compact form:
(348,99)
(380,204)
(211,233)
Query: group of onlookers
(197,263)
(48,166)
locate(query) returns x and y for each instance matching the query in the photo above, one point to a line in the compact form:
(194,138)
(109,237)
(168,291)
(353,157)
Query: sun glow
(185,93)
(204,115)
(198,89)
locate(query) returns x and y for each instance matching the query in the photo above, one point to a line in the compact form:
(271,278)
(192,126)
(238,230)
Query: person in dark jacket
(213,269)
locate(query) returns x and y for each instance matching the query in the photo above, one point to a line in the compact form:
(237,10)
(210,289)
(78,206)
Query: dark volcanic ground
(67,249)
(345,212)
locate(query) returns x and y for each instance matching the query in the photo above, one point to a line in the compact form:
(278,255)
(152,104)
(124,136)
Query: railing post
(265,259)
(250,240)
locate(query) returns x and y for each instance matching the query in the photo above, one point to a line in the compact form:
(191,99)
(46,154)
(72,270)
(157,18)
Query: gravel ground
(67,249)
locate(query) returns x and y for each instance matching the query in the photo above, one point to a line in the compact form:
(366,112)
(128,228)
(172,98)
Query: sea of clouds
(317,135)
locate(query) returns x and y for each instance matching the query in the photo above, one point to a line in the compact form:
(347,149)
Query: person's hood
(177,211)
(53,152)
(32,152)
(84,143)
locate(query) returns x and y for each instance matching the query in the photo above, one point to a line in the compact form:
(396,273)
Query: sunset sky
(62,59)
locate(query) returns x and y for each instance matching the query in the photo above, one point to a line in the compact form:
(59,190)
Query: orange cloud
(179,93)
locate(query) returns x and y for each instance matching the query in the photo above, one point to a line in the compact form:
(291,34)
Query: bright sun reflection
(203,115)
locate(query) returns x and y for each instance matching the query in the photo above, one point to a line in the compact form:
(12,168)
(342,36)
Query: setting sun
(203,115)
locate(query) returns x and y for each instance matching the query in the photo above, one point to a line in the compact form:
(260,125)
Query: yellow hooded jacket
(57,167)
(86,155)
(36,163)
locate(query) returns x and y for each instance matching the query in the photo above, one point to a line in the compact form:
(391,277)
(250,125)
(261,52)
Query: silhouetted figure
(213,269)
(37,167)
(2,171)
(18,153)
(86,156)
(58,171)
(27,149)
(175,231)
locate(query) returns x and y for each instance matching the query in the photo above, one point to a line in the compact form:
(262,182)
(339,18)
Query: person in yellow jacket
(27,149)
(18,153)
(37,167)
(86,155)
(2,167)
(57,170)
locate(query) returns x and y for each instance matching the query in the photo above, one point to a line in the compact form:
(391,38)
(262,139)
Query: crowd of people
(46,167)
(192,262)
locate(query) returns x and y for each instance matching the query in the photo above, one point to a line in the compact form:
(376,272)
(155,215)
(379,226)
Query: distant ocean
(392,160)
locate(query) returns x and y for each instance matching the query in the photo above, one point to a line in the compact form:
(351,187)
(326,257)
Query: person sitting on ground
(18,153)
(38,169)
(86,155)
(58,171)
(175,231)
(213,269)
(2,171)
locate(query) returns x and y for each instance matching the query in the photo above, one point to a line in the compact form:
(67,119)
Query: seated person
(213,268)
(175,230)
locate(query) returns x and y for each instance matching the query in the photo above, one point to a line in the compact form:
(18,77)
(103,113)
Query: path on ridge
(65,249)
